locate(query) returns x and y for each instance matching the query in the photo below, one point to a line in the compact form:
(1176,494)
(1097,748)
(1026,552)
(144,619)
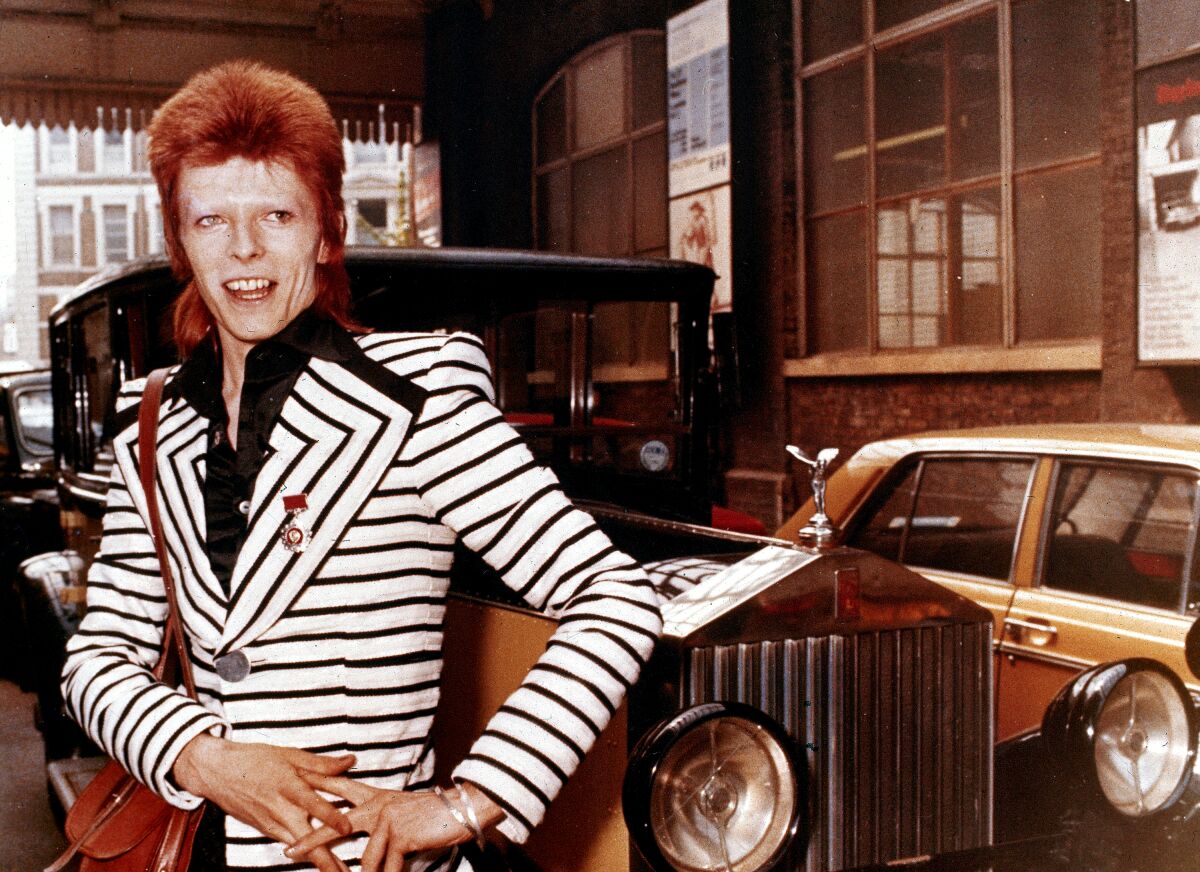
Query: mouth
(249,290)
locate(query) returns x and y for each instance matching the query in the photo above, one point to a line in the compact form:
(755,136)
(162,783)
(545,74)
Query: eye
(208,221)
(281,216)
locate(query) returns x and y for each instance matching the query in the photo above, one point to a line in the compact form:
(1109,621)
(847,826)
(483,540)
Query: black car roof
(34,377)
(621,278)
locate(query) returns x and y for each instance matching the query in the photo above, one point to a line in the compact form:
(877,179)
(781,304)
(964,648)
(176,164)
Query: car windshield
(35,420)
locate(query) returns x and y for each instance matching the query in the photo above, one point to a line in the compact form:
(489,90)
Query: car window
(623,413)
(952,514)
(1121,532)
(35,420)
(89,371)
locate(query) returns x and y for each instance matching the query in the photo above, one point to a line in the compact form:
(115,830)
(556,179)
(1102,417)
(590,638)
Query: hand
(398,822)
(264,786)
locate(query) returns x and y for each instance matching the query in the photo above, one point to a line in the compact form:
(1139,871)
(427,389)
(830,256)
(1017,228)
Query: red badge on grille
(847,604)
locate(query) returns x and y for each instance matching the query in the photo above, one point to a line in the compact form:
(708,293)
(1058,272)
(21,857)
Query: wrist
(194,761)
(487,811)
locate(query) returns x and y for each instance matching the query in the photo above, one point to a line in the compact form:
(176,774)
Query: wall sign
(698,98)
(1168,199)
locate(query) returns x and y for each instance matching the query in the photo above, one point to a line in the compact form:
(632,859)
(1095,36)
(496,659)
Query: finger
(323,810)
(394,862)
(325,861)
(376,851)
(347,788)
(322,763)
(316,839)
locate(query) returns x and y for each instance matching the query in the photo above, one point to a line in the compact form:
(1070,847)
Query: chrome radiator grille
(897,726)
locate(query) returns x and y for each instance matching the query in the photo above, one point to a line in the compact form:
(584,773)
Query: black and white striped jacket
(345,638)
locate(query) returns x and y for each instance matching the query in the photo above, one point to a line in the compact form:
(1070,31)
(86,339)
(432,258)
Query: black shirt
(272,368)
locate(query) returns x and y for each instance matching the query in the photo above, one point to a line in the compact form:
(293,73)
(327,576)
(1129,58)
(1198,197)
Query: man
(313,479)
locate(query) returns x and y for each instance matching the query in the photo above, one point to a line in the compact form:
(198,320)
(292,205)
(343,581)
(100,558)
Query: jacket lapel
(182,442)
(336,436)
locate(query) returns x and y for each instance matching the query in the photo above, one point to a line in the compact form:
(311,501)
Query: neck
(233,372)
(233,369)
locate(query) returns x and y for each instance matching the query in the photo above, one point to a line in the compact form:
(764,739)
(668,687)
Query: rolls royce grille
(896,728)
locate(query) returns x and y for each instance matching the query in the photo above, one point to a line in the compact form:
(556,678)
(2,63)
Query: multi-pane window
(951,179)
(116,234)
(61,221)
(115,155)
(600,182)
(60,153)
(600,171)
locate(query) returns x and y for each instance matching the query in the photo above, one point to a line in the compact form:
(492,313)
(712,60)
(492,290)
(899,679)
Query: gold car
(1080,539)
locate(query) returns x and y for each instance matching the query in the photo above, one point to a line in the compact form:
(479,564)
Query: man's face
(252,235)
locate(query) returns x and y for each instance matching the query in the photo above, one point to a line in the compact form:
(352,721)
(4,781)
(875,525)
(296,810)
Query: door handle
(1036,632)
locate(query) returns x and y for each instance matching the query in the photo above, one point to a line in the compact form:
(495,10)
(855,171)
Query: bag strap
(175,650)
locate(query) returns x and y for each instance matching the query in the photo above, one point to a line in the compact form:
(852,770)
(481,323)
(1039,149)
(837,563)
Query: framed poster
(698,98)
(700,231)
(1168,201)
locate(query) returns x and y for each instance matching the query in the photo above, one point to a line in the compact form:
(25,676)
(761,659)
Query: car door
(1115,576)
(956,519)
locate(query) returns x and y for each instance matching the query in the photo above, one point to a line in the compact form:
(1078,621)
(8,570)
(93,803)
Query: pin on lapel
(295,537)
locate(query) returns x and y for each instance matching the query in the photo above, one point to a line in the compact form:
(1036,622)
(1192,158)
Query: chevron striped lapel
(336,436)
(182,442)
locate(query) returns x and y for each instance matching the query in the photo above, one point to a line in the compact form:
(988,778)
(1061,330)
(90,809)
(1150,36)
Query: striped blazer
(400,452)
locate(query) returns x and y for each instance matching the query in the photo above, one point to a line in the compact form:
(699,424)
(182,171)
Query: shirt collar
(307,336)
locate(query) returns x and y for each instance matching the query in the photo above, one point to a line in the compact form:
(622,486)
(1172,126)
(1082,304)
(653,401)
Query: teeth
(248,284)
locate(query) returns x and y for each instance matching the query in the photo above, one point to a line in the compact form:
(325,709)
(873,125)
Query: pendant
(294,536)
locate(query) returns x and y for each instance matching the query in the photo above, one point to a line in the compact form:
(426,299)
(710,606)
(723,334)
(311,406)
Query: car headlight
(717,786)
(1129,728)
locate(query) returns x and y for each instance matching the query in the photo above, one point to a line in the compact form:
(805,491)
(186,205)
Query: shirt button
(244,507)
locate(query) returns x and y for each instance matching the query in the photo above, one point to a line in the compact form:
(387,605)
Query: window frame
(883,490)
(102,252)
(627,141)
(48,168)
(49,264)
(1189,581)
(99,140)
(1008,355)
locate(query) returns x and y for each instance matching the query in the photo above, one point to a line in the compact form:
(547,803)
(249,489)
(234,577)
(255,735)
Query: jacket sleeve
(108,685)
(481,480)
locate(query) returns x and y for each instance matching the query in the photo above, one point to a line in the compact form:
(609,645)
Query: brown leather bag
(118,824)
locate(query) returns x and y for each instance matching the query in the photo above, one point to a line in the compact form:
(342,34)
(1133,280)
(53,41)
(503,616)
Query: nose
(244,242)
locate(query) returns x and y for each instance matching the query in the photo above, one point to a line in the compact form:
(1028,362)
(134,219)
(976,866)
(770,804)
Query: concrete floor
(29,837)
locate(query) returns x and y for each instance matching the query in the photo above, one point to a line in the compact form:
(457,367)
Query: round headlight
(1143,739)
(1130,729)
(716,787)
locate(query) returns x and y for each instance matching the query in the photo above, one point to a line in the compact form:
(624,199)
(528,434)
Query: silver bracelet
(458,815)
(472,816)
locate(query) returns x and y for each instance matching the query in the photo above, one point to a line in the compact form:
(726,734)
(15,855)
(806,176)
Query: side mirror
(1191,648)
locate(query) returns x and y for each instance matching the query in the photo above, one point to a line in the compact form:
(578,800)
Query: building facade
(934,207)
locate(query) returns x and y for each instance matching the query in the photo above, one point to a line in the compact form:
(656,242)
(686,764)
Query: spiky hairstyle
(245,109)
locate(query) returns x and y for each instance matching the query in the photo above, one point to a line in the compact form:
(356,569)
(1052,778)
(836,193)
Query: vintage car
(28,522)
(811,706)
(1081,540)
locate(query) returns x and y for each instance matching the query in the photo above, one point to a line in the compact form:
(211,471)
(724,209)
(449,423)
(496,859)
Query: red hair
(245,109)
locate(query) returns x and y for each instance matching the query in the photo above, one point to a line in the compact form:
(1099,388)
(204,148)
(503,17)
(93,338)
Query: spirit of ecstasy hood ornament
(819,532)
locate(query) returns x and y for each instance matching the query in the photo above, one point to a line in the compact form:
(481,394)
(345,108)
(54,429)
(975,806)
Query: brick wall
(847,414)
